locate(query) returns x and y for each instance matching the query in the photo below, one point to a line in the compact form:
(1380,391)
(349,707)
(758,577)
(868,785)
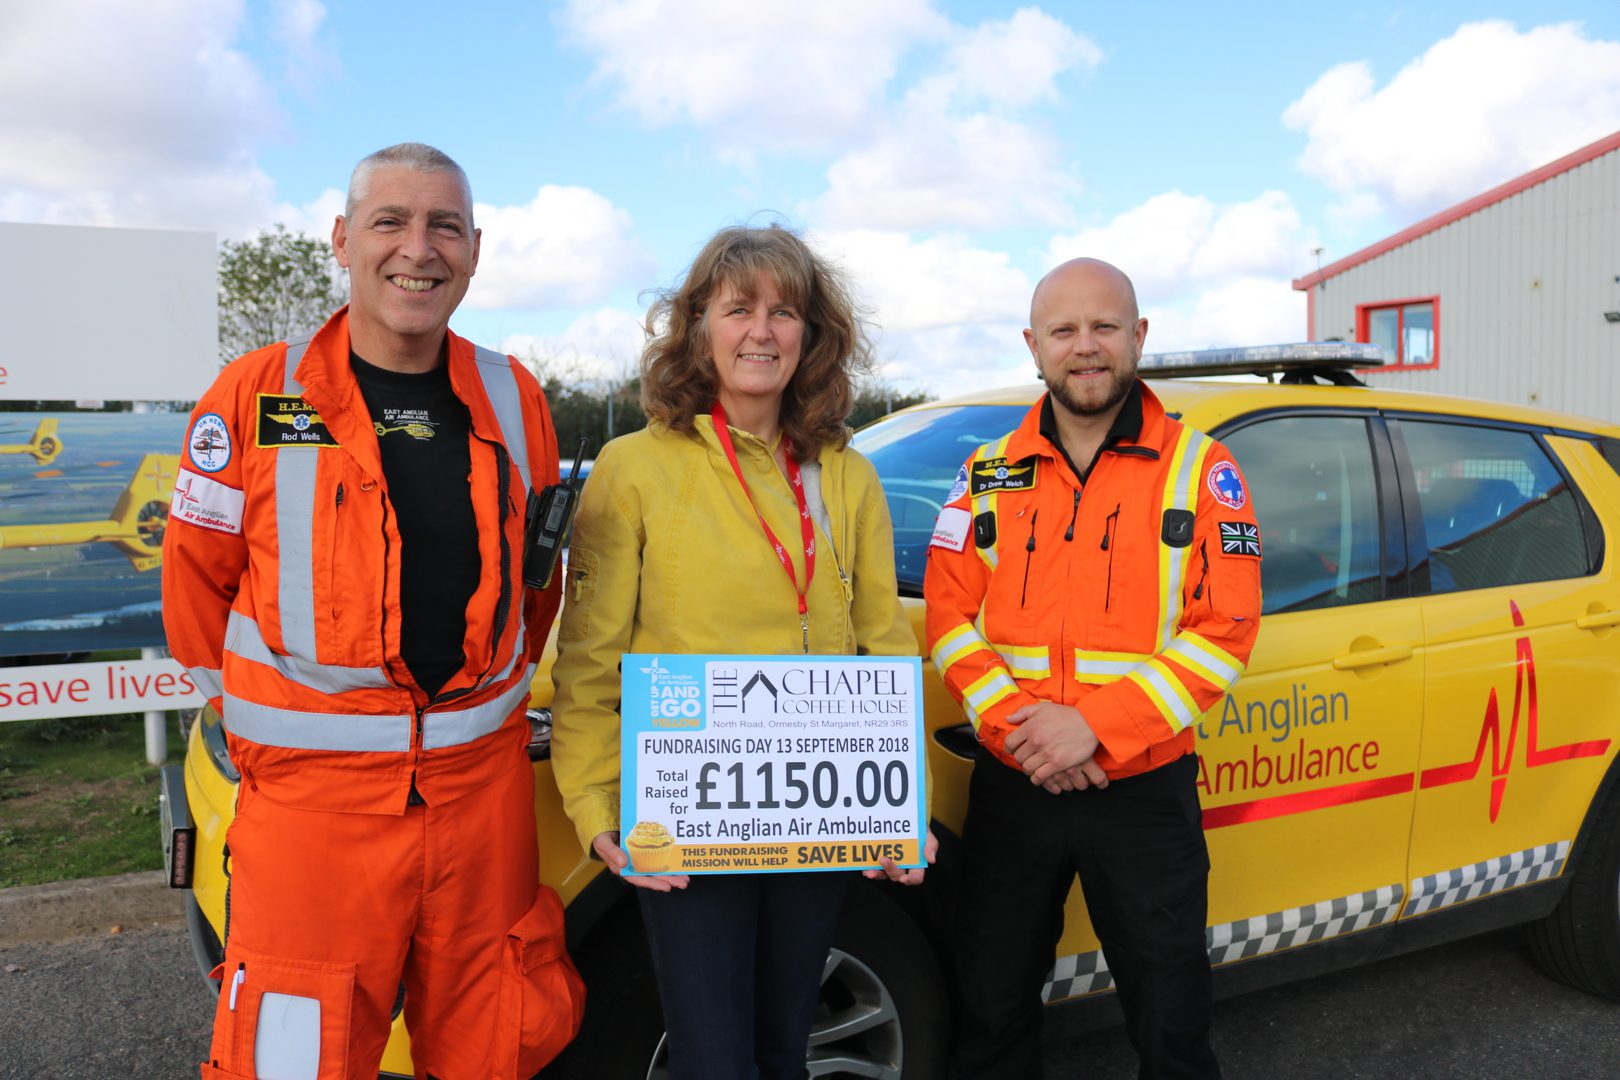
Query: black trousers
(738,959)
(1138,847)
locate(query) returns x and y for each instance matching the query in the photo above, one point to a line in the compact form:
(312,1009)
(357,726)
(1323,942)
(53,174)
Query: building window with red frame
(1407,330)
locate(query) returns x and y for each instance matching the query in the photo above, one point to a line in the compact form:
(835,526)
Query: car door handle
(1598,620)
(1361,658)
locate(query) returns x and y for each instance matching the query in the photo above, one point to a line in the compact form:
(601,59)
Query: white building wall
(1522,286)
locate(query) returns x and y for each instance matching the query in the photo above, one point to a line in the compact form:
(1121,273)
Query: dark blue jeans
(739,960)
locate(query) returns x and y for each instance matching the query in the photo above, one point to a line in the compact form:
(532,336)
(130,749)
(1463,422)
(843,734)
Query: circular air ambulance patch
(959,488)
(209,443)
(1226,485)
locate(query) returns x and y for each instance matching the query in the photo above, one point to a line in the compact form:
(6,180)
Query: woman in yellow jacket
(689,540)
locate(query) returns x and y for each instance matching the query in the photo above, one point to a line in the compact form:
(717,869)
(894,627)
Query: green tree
(875,399)
(277,285)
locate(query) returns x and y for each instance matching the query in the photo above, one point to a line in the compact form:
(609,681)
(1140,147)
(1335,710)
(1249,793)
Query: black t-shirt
(423,430)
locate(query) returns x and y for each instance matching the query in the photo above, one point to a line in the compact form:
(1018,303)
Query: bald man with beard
(1084,609)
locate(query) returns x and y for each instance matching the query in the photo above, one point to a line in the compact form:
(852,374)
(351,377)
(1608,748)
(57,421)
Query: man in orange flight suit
(342,576)
(1093,586)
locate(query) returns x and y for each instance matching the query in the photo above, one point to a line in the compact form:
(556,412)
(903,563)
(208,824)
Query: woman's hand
(914,876)
(606,846)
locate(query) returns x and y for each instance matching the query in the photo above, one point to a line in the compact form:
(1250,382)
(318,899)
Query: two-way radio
(550,515)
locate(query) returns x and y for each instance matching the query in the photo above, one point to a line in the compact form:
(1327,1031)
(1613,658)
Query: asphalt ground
(80,1001)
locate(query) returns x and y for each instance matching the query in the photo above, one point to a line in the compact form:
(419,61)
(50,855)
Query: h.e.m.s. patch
(998,474)
(288,420)
(1240,538)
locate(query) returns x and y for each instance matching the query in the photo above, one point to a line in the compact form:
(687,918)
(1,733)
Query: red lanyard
(796,482)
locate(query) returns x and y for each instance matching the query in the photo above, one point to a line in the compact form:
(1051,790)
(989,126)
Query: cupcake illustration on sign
(651,848)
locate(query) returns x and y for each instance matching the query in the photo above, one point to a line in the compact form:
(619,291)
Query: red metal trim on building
(1310,314)
(1605,145)
(1395,364)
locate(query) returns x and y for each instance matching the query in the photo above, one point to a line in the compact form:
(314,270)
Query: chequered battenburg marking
(1448,887)
(1087,973)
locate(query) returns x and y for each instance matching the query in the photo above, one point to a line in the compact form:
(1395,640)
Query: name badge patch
(286,420)
(204,501)
(998,474)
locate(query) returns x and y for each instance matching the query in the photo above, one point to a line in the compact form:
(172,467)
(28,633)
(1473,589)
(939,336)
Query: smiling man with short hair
(342,576)
(1083,609)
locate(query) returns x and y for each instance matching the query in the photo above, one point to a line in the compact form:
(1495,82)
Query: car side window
(1496,510)
(1316,499)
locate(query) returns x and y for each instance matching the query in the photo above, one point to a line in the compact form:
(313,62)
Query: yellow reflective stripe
(986,503)
(1167,694)
(1180,493)
(1206,659)
(1025,661)
(984,692)
(962,642)
(1102,668)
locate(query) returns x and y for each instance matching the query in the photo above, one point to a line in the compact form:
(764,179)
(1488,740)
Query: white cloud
(933,170)
(1245,311)
(602,344)
(568,246)
(759,77)
(953,153)
(1206,275)
(1478,108)
(1013,62)
(296,26)
(925,284)
(153,122)
(1174,242)
(952,360)
(314,217)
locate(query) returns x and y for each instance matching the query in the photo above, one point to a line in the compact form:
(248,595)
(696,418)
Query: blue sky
(946,154)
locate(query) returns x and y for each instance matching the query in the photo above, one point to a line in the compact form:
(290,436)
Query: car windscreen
(917,455)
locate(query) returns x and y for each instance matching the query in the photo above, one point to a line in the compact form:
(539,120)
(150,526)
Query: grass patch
(77,799)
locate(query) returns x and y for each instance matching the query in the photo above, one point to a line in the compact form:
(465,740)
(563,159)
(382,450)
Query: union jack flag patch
(1240,538)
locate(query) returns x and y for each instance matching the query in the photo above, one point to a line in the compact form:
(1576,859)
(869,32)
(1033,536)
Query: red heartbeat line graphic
(1525,702)
(1524,694)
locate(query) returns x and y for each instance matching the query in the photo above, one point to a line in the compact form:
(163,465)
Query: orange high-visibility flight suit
(1135,599)
(1133,596)
(379,833)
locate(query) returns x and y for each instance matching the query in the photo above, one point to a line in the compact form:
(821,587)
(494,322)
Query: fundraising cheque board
(740,764)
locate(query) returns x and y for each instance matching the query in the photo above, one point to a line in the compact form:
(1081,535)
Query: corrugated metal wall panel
(1523,285)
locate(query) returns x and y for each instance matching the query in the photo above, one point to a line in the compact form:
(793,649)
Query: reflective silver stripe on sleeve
(1181,497)
(500,386)
(244,638)
(207,680)
(295,730)
(453,728)
(295,501)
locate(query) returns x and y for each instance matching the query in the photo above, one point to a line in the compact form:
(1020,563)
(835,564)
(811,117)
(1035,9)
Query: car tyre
(1579,943)
(883,1010)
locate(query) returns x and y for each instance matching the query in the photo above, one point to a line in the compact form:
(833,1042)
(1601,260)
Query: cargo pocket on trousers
(542,996)
(281,1019)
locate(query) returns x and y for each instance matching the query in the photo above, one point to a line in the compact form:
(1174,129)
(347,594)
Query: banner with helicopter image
(84,501)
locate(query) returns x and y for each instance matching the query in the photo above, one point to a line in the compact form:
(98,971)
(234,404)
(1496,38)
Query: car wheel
(1579,943)
(883,1011)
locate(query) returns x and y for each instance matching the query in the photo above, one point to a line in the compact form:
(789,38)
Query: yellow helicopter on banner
(135,526)
(44,446)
